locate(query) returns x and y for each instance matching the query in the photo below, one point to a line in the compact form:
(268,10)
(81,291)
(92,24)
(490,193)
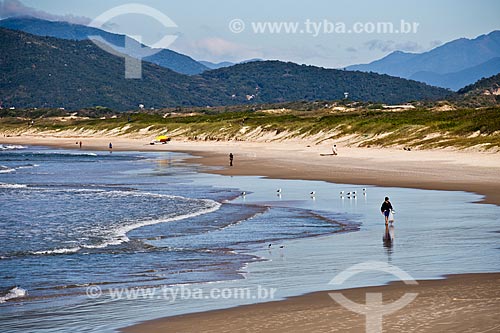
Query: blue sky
(203,26)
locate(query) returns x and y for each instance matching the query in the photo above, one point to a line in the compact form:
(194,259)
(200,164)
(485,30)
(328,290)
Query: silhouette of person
(231,157)
(386,209)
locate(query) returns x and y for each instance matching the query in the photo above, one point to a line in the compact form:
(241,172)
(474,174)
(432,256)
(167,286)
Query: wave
(5,185)
(57,251)
(11,147)
(11,155)
(4,169)
(15,292)
(28,166)
(120,234)
(60,187)
(214,207)
(115,241)
(62,153)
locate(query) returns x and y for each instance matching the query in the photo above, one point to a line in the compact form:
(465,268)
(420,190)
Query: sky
(331,34)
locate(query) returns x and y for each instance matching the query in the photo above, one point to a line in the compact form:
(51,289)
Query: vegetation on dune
(365,126)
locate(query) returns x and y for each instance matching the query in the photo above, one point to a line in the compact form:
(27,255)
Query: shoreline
(361,167)
(456,303)
(447,170)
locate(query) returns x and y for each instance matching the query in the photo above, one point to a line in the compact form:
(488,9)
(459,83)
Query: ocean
(74,219)
(70,219)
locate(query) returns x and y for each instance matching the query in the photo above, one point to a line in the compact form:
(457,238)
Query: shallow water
(71,219)
(435,233)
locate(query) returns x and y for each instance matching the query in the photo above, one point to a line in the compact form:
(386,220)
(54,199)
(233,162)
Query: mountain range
(40,71)
(223,64)
(452,65)
(177,62)
(213,65)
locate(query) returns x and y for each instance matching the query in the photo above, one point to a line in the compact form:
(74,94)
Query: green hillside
(49,72)
(276,81)
(491,84)
(483,93)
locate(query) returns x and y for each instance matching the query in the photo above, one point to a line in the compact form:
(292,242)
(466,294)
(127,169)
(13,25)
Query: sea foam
(5,185)
(15,292)
(11,147)
(4,169)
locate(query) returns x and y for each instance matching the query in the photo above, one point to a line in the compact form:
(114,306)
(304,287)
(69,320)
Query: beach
(459,303)
(263,167)
(441,169)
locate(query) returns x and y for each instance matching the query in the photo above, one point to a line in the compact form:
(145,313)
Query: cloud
(390,45)
(435,43)
(14,8)
(351,49)
(216,49)
(313,54)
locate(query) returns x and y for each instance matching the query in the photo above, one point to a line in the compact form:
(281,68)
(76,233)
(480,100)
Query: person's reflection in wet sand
(389,238)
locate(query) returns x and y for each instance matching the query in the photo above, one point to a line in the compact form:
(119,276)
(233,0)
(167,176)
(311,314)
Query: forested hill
(486,85)
(175,61)
(276,81)
(49,72)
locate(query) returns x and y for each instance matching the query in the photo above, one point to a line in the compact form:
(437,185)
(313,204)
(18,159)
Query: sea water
(74,219)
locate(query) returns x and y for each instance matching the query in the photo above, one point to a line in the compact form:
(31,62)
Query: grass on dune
(417,127)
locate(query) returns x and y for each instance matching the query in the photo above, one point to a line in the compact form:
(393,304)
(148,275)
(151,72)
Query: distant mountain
(251,60)
(390,65)
(40,71)
(223,64)
(450,65)
(218,65)
(457,80)
(64,30)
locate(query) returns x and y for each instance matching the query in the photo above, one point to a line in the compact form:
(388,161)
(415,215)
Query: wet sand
(461,303)
(453,170)
(430,173)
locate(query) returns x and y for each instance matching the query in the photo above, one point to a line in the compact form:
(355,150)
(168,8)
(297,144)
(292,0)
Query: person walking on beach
(231,157)
(80,145)
(334,150)
(110,147)
(386,209)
